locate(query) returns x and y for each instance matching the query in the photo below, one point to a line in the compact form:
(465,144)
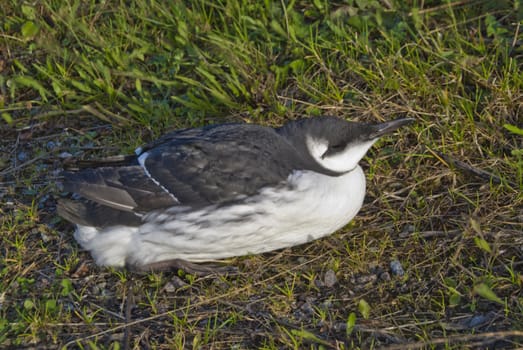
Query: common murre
(219,191)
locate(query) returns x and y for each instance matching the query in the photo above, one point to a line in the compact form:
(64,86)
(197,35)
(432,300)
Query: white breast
(312,206)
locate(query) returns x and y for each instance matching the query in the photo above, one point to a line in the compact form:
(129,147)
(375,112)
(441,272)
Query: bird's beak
(388,127)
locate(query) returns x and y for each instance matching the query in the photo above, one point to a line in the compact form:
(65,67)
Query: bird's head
(336,144)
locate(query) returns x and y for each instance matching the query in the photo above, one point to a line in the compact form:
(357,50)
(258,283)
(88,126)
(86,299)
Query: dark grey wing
(221,164)
(193,168)
(111,195)
(126,188)
(115,190)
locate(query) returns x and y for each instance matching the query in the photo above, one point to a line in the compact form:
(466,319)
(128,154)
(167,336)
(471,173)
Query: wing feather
(126,188)
(191,168)
(224,163)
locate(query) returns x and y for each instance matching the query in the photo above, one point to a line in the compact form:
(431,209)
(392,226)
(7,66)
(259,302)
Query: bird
(219,191)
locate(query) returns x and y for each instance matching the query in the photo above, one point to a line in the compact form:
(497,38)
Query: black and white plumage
(223,190)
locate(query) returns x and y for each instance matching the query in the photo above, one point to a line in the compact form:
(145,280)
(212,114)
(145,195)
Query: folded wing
(191,168)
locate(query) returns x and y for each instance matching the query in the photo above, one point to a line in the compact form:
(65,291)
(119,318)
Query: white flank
(313,206)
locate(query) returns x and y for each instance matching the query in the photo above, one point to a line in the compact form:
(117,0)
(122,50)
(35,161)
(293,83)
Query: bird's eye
(337,147)
(333,149)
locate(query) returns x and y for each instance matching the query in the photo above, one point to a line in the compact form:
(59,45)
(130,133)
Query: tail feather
(88,213)
(72,164)
(122,188)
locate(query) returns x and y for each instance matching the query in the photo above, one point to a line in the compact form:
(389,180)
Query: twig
(479,173)
(58,112)
(488,336)
(516,32)
(23,165)
(128,306)
(430,234)
(444,6)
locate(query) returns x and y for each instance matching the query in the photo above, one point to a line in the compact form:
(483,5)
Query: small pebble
(81,270)
(174,284)
(365,279)
(307,308)
(22,156)
(477,320)
(51,145)
(42,201)
(169,287)
(310,300)
(407,231)
(65,155)
(45,238)
(100,289)
(300,315)
(68,306)
(330,279)
(41,167)
(396,268)
(385,276)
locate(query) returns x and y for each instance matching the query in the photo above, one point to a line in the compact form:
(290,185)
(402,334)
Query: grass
(100,78)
